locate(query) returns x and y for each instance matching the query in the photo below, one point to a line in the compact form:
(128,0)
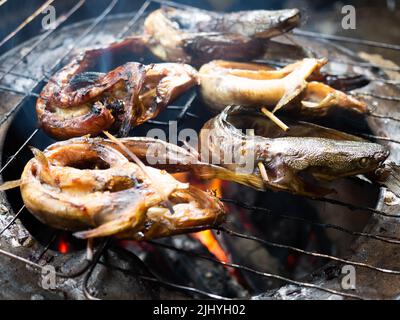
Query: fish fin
(309,189)
(309,104)
(295,82)
(10,185)
(289,180)
(42,159)
(170,87)
(112,223)
(209,171)
(40,156)
(320,106)
(319,98)
(107,229)
(292,92)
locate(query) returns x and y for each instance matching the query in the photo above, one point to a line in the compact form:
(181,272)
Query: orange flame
(206,237)
(208,240)
(214,185)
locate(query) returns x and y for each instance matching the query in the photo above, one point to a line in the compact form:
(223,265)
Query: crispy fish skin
(76,102)
(226,83)
(197,36)
(162,155)
(306,150)
(90,109)
(83,184)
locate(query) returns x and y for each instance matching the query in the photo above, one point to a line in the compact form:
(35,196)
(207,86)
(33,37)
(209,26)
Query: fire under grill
(273,246)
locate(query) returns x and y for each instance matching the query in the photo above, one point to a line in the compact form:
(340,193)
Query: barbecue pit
(260,262)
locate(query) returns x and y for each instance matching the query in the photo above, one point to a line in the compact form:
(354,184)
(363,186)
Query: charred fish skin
(81,184)
(197,36)
(90,109)
(77,101)
(307,149)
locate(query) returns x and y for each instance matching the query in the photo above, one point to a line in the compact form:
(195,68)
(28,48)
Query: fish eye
(363,162)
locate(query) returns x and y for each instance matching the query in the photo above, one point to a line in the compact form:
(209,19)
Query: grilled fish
(226,83)
(287,161)
(81,184)
(76,101)
(197,36)
(162,155)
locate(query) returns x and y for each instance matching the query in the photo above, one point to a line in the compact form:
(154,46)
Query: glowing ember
(63,246)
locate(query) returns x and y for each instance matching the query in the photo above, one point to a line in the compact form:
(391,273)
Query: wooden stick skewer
(275,119)
(89,249)
(263,172)
(260,165)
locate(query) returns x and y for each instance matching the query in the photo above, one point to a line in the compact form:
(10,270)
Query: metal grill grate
(184,111)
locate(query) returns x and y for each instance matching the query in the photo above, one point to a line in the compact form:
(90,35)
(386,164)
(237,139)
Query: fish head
(277,22)
(349,158)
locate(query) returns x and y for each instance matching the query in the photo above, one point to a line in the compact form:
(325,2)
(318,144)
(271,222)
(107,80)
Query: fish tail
(211,172)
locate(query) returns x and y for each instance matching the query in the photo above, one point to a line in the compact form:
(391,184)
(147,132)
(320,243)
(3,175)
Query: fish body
(77,101)
(81,184)
(226,83)
(292,160)
(197,36)
(327,159)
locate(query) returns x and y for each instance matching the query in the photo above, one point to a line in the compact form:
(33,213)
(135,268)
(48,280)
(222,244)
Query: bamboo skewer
(263,172)
(89,249)
(275,119)
(260,165)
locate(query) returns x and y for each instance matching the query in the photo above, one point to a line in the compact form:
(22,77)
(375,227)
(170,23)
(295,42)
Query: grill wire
(87,267)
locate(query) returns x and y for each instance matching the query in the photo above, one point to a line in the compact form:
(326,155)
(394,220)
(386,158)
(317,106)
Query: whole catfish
(286,161)
(197,36)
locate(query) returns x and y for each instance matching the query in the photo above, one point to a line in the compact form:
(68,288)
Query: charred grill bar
(92,276)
